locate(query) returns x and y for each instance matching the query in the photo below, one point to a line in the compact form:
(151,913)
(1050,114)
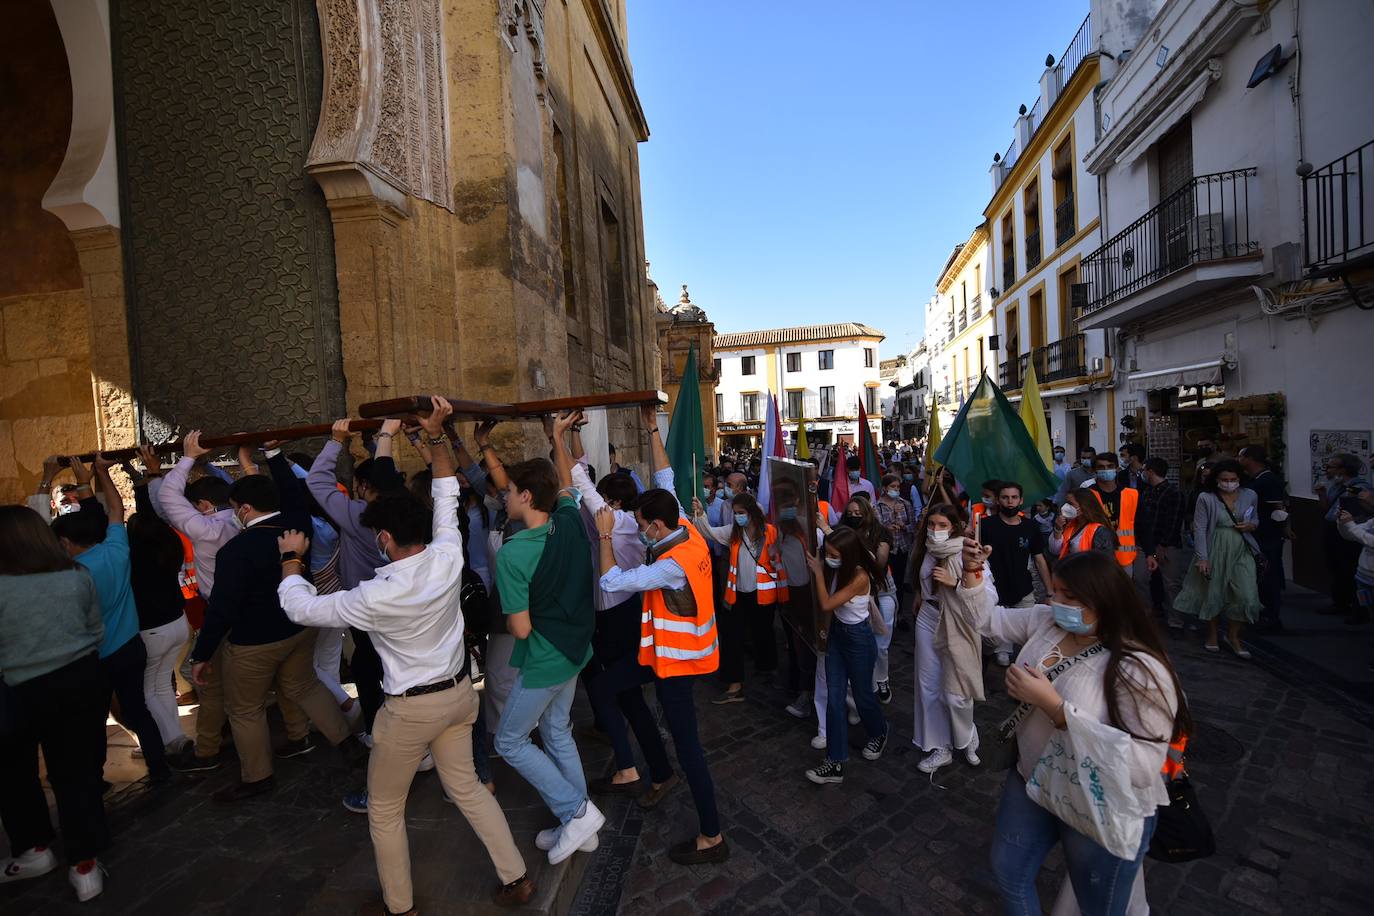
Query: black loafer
(606,786)
(241,790)
(686,853)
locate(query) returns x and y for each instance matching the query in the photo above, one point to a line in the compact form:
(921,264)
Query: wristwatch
(435,440)
(291,557)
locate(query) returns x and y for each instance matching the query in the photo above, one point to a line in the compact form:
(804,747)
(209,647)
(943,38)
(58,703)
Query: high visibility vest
(769,584)
(186,578)
(1173,761)
(677,630)
(1083,537)
(1125,525)
(823,510)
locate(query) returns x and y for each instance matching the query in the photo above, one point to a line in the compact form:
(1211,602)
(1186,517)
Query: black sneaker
(828,773)
(875,747)
(186,761)
(295,748)
(884,692)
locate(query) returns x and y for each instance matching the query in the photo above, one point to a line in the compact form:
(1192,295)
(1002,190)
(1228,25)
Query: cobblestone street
(1282,765)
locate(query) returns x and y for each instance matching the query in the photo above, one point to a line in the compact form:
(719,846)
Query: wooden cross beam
(478,410)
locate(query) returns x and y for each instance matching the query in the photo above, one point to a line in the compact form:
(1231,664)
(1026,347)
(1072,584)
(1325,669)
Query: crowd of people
(536,576)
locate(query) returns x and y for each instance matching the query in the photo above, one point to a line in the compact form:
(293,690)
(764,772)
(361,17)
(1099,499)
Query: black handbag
(1182,831)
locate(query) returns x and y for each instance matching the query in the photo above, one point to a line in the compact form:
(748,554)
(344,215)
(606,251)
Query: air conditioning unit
(1206,237)
(1097,364)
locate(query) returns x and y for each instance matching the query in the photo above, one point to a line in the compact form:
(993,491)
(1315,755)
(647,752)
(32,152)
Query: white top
(411,608)
(855,610)
(1081,687)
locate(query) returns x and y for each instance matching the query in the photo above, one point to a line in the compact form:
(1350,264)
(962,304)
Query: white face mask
(1069,512)
(833,562)
(1228,486)
(937,537)
(1279,515)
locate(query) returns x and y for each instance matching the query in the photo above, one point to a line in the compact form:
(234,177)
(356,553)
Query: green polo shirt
(539,661)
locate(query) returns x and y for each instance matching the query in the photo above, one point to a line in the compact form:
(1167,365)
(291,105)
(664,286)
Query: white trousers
(328,655)
(940,719)
(887,609)
(159,687)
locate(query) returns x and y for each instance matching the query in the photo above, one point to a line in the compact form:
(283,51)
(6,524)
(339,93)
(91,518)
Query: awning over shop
(1208,373)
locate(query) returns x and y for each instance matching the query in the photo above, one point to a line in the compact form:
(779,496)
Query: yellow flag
(803,447)
(1033,415)
(933,435)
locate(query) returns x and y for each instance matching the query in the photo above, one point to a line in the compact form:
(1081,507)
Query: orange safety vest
(671,643)
(1126,549)
(1084,537)
(769,584)
(823,510)
(1173,762)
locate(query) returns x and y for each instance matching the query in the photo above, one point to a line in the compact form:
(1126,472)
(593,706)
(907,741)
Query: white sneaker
(819,742)
(971,755)
(802,707)
(88,885)
(1004,659)
(548,839)
(576,832)
(34,862)
(940,757)
(426,763)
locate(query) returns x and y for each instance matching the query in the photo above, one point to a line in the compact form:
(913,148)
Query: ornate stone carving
(384,129)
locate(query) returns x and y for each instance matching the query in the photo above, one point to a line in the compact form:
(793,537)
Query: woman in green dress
(1221,581)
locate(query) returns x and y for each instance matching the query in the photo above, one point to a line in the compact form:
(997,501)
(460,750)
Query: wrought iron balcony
(971,384)
(975,308)
(963,320)
(1338,210)
(1033,252)
(1064,227)
(1008,271)
(1208,219)
(1063,359)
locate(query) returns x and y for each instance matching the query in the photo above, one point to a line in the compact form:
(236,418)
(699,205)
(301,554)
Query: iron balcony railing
(963,320)
(1008,271)
(971,385)
(1064,227)
(975,308)
(1063,359)
(1080,46)
(1033,251)
(1338,209)
(1208,219)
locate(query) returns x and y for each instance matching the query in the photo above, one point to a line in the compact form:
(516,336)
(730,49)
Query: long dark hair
(854,557)
(750,506)
(1125,628)
(947,511)
(1221,467)
(1090,511)
(28,545)
(869,530)
(152,540)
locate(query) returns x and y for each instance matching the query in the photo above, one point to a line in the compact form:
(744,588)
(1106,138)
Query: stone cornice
(979,236)
(614,51)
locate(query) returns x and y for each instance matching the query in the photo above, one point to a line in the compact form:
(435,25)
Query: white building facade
(818,373)
(962,295)
(1235,151)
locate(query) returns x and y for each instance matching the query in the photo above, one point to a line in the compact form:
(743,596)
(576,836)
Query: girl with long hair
(1082,525)
(755,584)
(949,666)
(1112,669)
(862,516)
(50,633)
(844,581)
(1222,580)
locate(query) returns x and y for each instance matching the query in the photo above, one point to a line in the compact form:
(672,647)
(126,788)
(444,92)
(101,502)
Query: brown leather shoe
(656,793)
(517,893)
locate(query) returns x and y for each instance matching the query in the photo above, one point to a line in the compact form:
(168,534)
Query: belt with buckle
(436,687)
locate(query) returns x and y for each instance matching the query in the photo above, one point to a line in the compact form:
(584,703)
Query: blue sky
(816,161)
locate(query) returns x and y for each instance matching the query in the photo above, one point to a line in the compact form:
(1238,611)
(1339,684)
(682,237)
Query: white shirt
(410,608)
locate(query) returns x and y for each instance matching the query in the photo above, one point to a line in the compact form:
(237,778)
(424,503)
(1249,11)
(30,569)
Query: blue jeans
(849,659)
(1027,832)
(556,771)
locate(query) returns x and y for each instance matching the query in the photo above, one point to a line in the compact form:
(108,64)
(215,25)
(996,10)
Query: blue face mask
(789,514)
(853,475)
(646,540)
(1106,476)
(1070,619)
(741,519)
(908,476)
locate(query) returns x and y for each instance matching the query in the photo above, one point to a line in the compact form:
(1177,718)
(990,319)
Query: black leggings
(123,673)
(366,666)
(63,713)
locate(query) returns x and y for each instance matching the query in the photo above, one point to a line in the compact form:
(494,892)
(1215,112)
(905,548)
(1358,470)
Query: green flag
(686,443)
(987,441)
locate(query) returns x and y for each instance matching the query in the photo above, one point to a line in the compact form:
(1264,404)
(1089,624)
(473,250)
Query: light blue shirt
(108,564)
